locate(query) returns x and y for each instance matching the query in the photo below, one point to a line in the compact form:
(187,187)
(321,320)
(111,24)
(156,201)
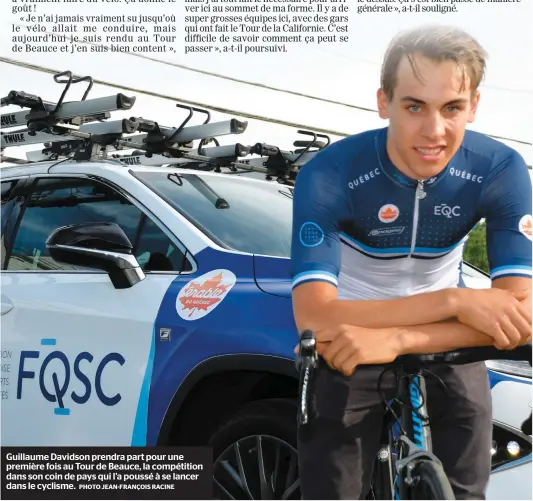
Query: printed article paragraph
(107,473)
(202,26)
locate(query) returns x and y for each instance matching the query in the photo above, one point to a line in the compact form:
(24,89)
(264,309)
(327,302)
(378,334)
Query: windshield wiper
(202,187)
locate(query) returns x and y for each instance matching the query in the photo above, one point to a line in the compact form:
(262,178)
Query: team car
(151,304)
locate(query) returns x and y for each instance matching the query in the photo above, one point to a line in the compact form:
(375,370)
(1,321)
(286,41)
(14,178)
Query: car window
(60,202)
(155,251)
(240,214)
(7,189)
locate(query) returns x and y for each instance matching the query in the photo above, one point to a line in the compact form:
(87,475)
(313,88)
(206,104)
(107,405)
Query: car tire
(254,452)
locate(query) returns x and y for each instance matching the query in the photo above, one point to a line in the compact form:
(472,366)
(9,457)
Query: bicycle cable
(400,375)
(425,419)
(385,400)
(427,373)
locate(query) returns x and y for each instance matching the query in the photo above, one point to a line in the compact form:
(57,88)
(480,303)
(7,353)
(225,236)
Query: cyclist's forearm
(401,312)
(442,336)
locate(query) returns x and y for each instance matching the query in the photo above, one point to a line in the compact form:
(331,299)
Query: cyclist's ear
(383,104)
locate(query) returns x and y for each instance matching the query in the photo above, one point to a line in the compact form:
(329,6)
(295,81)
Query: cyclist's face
(427,115)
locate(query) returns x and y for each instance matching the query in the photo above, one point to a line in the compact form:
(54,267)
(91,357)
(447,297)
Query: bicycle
(405,466)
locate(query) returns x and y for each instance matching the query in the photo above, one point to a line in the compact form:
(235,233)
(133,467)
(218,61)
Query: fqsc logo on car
(56,373)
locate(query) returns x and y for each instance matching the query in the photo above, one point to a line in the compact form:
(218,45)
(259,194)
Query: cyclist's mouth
(431,153)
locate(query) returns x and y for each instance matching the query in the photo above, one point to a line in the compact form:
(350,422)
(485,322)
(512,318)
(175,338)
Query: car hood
(473,278)
(273,275)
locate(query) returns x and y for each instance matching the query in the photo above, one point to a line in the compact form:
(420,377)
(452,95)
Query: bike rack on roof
(80,131)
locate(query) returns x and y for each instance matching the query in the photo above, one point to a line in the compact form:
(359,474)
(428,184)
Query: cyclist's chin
(425,168)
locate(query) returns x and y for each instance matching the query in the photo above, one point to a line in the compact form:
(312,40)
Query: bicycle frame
(417,432)
(392,477)
(412,439)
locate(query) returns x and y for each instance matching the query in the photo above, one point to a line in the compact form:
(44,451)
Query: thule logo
(131,161)
(8,120)
(14,138)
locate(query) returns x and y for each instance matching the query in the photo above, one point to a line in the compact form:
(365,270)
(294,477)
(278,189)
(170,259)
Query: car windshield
(239,214)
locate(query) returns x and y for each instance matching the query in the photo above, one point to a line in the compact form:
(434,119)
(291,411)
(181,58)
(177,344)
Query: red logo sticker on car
(203,294)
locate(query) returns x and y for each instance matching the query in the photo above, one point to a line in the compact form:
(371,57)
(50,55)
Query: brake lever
(306,362)
(306,349)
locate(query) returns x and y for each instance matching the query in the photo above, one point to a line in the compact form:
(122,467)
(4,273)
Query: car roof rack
(43,114)
(81,131)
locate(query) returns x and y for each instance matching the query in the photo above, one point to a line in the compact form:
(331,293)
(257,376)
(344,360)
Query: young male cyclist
(380,220)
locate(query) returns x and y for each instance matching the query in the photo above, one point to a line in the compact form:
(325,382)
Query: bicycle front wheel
(430,482)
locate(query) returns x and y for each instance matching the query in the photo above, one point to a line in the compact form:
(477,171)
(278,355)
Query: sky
(347,73)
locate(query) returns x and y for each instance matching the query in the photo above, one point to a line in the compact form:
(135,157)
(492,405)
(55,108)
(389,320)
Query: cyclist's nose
(434,126)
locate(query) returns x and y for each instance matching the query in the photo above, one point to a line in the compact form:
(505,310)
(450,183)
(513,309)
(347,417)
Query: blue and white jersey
(363,226)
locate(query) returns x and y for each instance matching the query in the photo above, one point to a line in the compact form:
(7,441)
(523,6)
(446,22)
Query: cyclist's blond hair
(439,44)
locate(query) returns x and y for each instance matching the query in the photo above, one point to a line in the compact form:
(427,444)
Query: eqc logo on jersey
(446,211)
(55,371)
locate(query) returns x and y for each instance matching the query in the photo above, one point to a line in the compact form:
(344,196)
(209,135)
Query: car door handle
(7,305)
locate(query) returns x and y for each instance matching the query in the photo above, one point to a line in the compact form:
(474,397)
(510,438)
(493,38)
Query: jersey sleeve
(318,206)
(506,206)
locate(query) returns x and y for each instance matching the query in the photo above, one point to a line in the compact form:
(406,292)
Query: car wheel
(254,452)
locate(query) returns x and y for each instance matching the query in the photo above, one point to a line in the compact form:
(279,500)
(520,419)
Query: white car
(150,305)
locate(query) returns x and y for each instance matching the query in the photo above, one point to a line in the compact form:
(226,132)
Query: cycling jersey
(363,226)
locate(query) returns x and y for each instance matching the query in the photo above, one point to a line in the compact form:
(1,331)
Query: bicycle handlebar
(307,358)
(470,355)
(412,363)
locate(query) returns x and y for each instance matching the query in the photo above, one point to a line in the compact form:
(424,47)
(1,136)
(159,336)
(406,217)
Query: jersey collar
(392,171)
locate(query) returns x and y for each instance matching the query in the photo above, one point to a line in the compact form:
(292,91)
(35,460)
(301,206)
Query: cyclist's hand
(352,346)
(503,315)
(527,305)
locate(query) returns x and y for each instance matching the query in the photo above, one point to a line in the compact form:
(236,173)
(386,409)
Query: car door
(77,352)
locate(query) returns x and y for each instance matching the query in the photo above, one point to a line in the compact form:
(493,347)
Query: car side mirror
(103,246)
